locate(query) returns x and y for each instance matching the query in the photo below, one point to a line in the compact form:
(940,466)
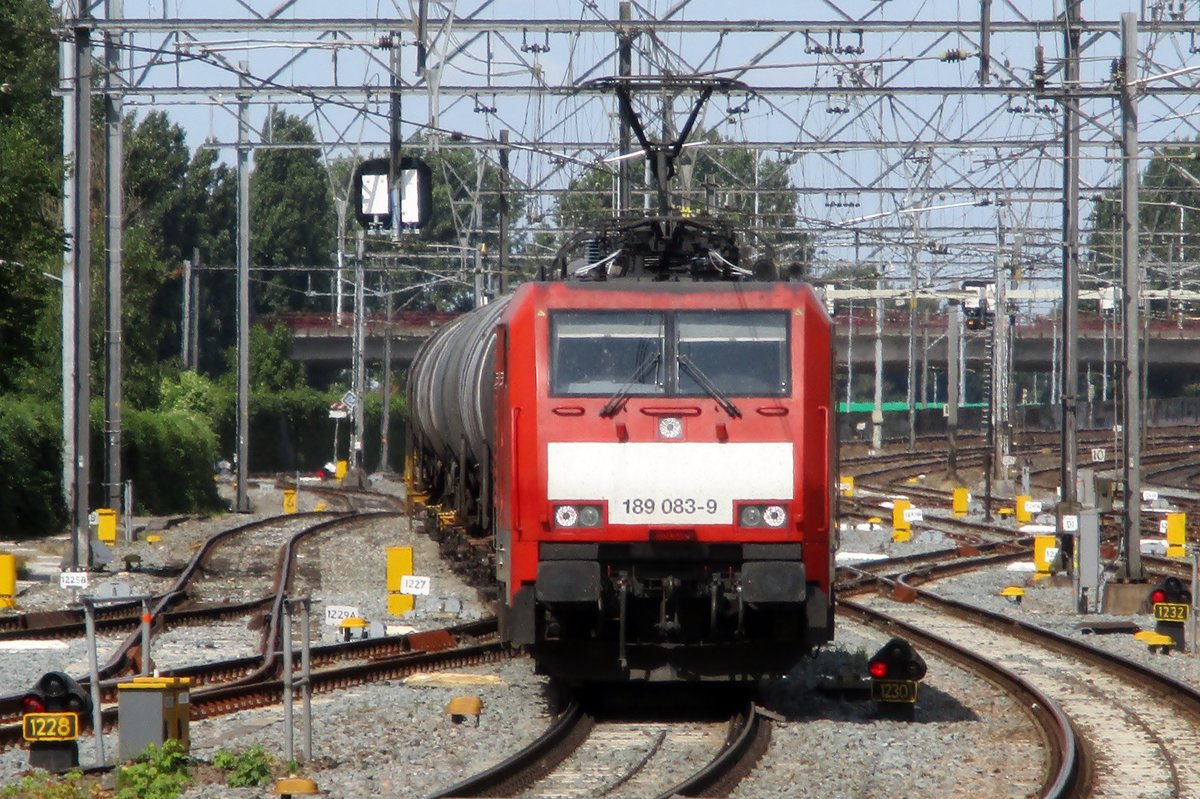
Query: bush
(48,786)
(248,767)
(170,455)
(31,464)
(157,773)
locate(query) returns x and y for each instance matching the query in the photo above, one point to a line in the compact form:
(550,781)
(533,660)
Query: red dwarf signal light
(32,704)
(1171,590)
(897,660)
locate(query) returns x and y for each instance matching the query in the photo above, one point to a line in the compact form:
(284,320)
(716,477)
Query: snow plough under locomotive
(646,440)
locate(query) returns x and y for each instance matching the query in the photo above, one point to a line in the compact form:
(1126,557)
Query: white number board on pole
(336,614)
(1070,523)
(412,584)
(1149,496)
(73,580)
(1099,455)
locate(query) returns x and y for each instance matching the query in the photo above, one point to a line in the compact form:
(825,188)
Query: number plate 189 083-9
(894,691)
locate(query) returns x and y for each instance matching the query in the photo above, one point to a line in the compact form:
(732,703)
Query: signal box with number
(896,671)
(51,714)
(1171,604)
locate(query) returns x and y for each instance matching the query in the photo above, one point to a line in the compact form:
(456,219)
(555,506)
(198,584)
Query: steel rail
(1067,774)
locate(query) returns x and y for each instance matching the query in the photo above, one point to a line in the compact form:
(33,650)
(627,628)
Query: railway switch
(896,670)
(50,717)
(1170,602)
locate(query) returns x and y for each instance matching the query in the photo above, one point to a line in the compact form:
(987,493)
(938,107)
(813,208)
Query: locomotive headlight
(589,516)
(566,516)
(571,516)
(774,516)
(751,516)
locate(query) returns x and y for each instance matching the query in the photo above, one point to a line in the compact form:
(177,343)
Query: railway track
(580,756)
(228,686)
(1138,726)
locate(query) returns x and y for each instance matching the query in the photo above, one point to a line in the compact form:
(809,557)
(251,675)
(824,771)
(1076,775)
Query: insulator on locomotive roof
(764,269)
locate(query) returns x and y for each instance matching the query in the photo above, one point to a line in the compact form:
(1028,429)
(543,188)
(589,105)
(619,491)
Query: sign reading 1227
(412,584)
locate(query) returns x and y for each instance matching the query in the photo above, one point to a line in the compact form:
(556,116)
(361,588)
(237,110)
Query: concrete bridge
(321,340)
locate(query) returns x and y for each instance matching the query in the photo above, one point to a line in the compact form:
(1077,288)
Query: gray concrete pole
(953,338)
(243,297)
(360,361)
(911,382)
(81,551)
(66,60)
(1131,296)
(114,159)
(288,731)
(306,676)
(624,141)
(386,413)
(877,413)
(502,285)
(1070,259)
(89,626)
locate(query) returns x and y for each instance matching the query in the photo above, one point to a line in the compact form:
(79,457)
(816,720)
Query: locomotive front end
(670,504)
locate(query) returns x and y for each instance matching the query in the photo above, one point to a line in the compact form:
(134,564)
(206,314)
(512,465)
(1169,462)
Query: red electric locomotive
(648,443)
(655,461)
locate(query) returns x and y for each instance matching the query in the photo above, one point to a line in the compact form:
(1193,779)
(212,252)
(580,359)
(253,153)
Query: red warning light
(1158,595)
(878,669)
(32,704)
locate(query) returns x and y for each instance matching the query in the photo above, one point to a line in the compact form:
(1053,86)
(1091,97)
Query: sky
(898,154)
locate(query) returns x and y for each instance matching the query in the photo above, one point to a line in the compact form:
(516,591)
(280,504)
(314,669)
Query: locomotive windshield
(739,353)
(601,352)
(742,353)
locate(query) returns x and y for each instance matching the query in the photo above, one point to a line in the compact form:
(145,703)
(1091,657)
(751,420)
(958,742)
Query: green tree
(31,237)
(292,218)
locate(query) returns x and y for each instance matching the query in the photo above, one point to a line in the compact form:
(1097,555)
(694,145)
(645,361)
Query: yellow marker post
(846,485)
(899,523)
(289,500)
(1023,514)
(1045,550)
(342,468)
(106,528)
(399,566)
(962,500)
(8,580)
(1176,535)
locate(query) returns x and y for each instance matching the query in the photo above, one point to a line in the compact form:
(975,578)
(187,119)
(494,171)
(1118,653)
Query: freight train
(643,446)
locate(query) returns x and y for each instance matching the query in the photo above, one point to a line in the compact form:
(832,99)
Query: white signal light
(566,516)
(774,516)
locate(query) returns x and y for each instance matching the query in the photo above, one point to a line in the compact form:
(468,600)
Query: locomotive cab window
(741,353)
(600,352)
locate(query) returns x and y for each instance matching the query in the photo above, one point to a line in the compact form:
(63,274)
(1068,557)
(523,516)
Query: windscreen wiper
(706,384)
(618,399)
